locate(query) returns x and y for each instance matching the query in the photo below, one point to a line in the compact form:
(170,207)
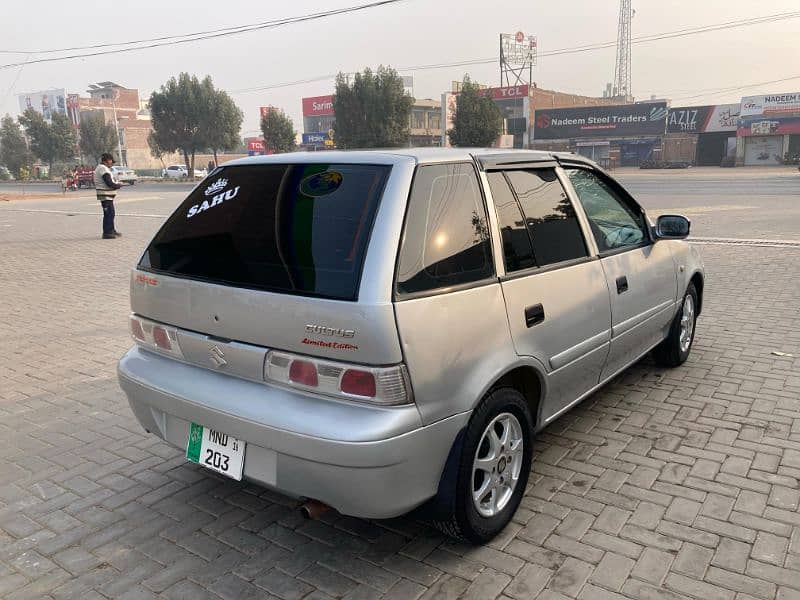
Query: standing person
(211,166)
(106,192)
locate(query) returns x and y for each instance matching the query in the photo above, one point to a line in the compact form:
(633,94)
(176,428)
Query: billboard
(770,104)
(255,147)
(518,49)
(600,121)
(318,106)
(45,102)
(766,126)
(263,111)
(318,138)
(703,119)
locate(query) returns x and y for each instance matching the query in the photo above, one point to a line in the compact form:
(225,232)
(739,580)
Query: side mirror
(672,227)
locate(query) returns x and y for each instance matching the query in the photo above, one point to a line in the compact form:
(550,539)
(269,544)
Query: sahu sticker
(321,184)
(218,186)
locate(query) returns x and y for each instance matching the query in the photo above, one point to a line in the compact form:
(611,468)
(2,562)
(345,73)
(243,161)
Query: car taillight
(155,336)
(161,338)
(377,385)
(358,383)
(304,373)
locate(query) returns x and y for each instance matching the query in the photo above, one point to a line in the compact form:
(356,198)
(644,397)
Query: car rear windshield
(291,228)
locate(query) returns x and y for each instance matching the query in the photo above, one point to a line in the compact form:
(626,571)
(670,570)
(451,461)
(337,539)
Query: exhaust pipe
(313,509)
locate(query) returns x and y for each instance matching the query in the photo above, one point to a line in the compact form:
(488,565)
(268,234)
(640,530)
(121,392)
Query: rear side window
(517,249)
(300,228)
(446,239)
(549,215)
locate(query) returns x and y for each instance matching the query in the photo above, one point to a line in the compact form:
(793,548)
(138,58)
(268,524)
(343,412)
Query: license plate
(216,451)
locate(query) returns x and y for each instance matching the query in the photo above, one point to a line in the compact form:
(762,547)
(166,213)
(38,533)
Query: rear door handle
(622,284)
(534,315)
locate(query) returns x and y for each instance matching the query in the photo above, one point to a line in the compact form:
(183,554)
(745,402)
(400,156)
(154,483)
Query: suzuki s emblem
(217,356)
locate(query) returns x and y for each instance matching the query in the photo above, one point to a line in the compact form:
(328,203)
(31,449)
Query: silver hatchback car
(381,331)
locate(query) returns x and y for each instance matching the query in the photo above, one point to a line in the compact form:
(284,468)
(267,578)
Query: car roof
(418,155)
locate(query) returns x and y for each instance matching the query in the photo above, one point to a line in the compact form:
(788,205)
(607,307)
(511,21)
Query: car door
(640,273)
(554,288)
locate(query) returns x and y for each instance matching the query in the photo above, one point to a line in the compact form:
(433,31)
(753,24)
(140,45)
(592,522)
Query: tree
(155,149)
(278,130)
(477,121)
(225,121)
(185,115)
(96,136)
(373,112)
(14,153)
(49,141)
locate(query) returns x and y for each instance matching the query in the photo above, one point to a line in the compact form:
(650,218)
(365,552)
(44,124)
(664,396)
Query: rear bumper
(363,461)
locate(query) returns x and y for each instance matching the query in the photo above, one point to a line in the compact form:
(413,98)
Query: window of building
(418,119)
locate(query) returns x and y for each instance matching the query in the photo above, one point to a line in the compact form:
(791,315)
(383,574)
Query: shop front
(768,140)
(703,135)
(616,135)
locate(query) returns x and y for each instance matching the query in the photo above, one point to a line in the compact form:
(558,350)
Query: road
(727,204)
(664,485)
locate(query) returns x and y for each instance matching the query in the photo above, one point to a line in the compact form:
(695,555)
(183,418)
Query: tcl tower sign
(318,106)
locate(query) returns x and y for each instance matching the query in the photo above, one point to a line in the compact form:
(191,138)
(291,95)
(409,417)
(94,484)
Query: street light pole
(116,124)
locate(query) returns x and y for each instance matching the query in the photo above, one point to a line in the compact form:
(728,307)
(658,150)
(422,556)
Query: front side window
(552,223)
(614,224)
(446,239)
(289,228)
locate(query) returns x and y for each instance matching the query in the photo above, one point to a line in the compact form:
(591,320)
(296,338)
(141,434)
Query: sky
(688,70)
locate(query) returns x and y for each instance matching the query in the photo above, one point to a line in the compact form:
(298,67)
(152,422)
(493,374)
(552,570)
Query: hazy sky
(413,32)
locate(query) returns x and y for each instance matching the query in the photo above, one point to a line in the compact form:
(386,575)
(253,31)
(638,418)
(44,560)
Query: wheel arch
(699,282)
(529,381)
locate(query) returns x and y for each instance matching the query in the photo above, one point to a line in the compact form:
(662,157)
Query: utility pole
(622,69)
(114,97)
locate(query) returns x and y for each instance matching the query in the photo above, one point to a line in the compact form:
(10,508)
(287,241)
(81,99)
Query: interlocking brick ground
(666,484)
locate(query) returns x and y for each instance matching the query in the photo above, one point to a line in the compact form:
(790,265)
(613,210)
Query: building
(768,129)
(701,135)
(613,135)
(426,123)
(518,105)
(319,123)
(122,106)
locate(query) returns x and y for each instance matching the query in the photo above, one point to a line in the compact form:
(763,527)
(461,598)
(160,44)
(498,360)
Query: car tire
(478,517)
(675,349)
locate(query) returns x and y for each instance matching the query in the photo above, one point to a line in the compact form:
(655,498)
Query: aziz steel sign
(601,121)
(703,119)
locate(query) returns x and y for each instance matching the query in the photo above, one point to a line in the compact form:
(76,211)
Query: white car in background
(123,174)
(182,172)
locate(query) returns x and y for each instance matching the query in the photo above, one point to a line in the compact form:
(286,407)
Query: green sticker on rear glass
(321,184)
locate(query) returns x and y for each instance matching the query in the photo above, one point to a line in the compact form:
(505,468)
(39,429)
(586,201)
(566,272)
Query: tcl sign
(256,146)
(318,106)
(505,93)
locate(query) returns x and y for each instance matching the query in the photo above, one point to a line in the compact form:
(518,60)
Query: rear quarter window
(291,228)
(446,239)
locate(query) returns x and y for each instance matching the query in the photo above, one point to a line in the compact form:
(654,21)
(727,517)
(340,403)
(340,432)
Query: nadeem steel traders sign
(600,121)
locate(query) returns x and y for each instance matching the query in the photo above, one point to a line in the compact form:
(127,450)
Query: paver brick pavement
(665,484)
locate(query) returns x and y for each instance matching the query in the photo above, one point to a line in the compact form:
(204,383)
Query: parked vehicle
(182,171)
(85,177)
(124,174)
(381,331)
